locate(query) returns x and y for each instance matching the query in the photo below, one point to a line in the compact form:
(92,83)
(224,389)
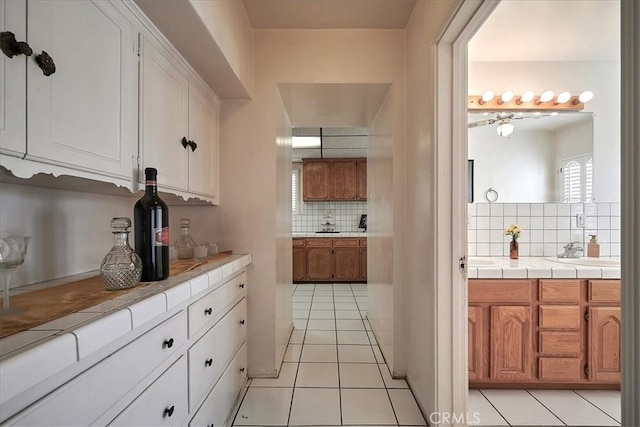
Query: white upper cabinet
(203,132)
(178,125)
(13,82)
(164,117)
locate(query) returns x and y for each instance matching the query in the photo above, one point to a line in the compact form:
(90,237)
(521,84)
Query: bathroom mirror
(546,158)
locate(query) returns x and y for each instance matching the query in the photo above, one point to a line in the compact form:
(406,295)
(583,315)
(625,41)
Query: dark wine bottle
(151,223)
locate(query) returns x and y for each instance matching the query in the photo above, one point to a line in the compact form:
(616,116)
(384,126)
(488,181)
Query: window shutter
(571,172)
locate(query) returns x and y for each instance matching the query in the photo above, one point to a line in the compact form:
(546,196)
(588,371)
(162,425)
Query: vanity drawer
(499,291)
(210,355)
(560,342)
(217,406)
(96,390)
(604,291)
(559,368)
(566,291)
(345,243)
(163,403)
(319,243)
(298,243)
(559,316)
(212,305)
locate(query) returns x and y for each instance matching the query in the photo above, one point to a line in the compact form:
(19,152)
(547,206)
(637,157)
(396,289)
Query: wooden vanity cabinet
(567,334)
(328,260)
(334,180)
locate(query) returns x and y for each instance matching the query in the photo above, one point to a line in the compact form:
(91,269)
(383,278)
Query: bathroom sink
(592,262)
(483,262)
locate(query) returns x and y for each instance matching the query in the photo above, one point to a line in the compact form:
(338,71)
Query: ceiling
(329,14)
(549,30)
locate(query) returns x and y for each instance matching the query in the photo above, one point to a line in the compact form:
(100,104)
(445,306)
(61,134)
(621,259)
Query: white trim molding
(630,155)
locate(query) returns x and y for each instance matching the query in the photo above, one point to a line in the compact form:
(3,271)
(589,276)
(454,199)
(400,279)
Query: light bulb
(487,96)
(546,96)
(505,128)
(585,96)
(563,97)
(507,96)
(525,97)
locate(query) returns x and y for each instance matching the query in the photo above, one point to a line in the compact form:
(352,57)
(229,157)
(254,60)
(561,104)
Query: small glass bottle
(185,242)
(122,267)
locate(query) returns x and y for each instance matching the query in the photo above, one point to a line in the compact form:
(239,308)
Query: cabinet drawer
(210,355)
(499,291)
(208,308)
(298,243)
(345,243)
(218,404)
(93,392)
(559,368)
(604,291)
(319,243)
(163,403)
(559,316)
(567,291)
(560,342)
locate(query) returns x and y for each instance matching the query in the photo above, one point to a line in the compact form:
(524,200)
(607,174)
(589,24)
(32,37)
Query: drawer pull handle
(210,425)
(208,311)
(208,362)
(241,285)
(168,412)
(168,343)
(241,370)
(242,322)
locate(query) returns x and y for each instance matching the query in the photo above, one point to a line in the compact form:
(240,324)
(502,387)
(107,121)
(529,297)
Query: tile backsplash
(346,216)
(546,227)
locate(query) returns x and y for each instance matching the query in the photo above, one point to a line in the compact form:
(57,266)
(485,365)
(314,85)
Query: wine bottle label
(161,236)
(151,183)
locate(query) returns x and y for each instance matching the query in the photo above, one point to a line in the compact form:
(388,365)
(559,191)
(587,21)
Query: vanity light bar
(546,101)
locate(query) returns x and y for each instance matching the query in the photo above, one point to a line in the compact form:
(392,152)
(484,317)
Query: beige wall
(248,148)
(421,218)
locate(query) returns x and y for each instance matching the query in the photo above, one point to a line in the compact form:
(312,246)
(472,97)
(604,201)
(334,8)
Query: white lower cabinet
(164,403)
(217,406)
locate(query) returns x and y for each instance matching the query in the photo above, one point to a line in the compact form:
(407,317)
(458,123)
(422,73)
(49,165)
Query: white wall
(422,342)
(601,77)
(247,144)
(521,168)
(71,230)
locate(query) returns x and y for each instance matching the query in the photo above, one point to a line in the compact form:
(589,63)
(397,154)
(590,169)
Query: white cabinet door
(13,82)
(164,403)
(203,130)
(164,117)
(84,115)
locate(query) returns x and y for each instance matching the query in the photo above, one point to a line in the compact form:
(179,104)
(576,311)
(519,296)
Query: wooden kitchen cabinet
(334,179)
(80,120)
(326,260)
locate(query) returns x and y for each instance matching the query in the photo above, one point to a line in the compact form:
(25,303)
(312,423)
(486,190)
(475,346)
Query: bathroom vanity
(542,324)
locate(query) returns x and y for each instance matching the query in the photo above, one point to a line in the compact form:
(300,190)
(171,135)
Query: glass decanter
(185,242)
(13,251)
(122,267)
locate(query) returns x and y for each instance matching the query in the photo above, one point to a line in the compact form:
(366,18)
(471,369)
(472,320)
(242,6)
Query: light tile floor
(334,374)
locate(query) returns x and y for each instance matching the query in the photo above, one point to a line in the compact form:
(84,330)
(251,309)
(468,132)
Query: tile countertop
(330,235)
(541,268)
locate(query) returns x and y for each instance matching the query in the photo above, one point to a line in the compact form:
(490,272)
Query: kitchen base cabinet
(186,367)
(553,333)
(330,260)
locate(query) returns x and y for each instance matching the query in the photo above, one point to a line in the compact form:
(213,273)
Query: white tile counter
(330,235)
(542,268)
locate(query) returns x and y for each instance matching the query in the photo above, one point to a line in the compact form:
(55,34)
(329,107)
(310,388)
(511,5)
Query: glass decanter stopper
(185,242)
(122,267)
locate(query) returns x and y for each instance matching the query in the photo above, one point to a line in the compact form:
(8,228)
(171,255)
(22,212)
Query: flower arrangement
(514,231)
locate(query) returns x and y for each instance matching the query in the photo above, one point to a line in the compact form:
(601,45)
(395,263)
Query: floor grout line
(494,407)
(596,406)
(554,414)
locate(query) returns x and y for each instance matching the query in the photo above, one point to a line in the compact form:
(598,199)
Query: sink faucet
(570,251)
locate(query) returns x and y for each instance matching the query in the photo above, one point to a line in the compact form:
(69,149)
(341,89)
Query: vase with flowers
(514,231)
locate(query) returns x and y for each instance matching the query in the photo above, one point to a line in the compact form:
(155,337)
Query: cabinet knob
(168,343)
(210,425)
(46,64)
(193,145)
(241,370)
(241,285)
(168,412)
(242,322)
(208,311)
(208,362)
(185,142)
(11,47)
